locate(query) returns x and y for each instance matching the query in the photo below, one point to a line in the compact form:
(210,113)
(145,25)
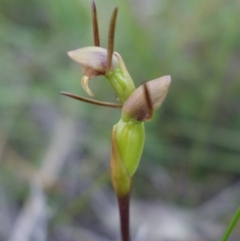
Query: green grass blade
(231,225)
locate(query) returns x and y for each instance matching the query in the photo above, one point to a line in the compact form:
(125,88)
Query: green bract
(121,179)
(130,141)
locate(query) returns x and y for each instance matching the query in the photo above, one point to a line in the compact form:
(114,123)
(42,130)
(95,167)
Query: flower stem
(123,204)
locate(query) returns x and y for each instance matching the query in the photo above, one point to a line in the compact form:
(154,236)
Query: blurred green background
(193,143)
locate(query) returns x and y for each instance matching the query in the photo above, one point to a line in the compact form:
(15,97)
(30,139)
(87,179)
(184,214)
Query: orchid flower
(138,106)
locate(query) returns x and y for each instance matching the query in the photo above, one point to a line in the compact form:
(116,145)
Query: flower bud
(136,108)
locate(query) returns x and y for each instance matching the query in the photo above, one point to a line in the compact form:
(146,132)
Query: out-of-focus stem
(123,204)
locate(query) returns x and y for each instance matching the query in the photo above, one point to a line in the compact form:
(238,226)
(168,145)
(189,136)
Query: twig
(35,207)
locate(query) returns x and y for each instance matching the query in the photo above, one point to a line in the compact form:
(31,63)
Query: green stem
(123,204)
(231,225)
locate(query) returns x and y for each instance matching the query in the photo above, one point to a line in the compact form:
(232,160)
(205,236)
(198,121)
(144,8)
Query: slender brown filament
(111,39)
(91,101)
(148,102)
(95,25)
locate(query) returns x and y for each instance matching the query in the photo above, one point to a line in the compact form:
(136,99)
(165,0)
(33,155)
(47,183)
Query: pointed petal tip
(71,53)
(167,78)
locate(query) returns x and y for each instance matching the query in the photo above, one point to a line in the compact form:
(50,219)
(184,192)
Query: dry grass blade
(111,39)
(91,101)
(95,25)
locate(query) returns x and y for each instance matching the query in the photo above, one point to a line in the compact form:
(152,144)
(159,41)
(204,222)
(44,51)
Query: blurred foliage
(194,137)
